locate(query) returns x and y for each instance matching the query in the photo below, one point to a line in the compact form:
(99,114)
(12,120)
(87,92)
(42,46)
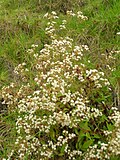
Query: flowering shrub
(63,107)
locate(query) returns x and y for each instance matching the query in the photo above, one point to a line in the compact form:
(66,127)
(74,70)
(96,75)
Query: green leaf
(63,148)
(84,126)
(114,158)
(103,118)
(110,127)
(81,135)
(77,145)
(80,144)
(87,144)
(88,135)
(96,136)
(52,134)
(80,140)
(76,131)
(61,154)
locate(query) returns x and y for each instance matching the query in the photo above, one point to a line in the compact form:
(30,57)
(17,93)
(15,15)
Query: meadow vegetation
(60,79)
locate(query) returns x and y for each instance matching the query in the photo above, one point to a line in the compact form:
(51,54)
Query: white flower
(118,33)
(46,15)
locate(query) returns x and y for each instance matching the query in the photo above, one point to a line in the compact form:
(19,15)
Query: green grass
(22,24)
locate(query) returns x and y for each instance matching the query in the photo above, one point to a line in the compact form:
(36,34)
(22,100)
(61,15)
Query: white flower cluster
(50,29)
(79,14)
(96,76)
(56,102)
(51,25)
(97,151)
(110,60)
(114,143)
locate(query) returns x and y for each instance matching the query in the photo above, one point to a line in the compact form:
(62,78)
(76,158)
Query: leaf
(61,154)
(63,148)
(96,136)
(52,134)
(77,146)
(88,135)
(84,126)
(76,131)
(80,144)
(110,127)
(81,135)
(87,144)
(80,140)
(103,118)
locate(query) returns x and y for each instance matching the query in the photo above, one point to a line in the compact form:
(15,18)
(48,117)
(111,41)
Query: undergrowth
(59,80)
(62,105)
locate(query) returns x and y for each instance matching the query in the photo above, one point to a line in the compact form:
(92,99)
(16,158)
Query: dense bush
(63,106)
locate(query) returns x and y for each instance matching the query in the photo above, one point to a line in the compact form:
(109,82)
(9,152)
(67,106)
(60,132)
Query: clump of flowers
(79,14)
(63,107)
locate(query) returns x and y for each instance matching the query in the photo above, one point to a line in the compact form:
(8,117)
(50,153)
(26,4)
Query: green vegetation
(59,79)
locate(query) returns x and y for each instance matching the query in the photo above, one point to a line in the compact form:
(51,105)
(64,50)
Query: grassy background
(21,25)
